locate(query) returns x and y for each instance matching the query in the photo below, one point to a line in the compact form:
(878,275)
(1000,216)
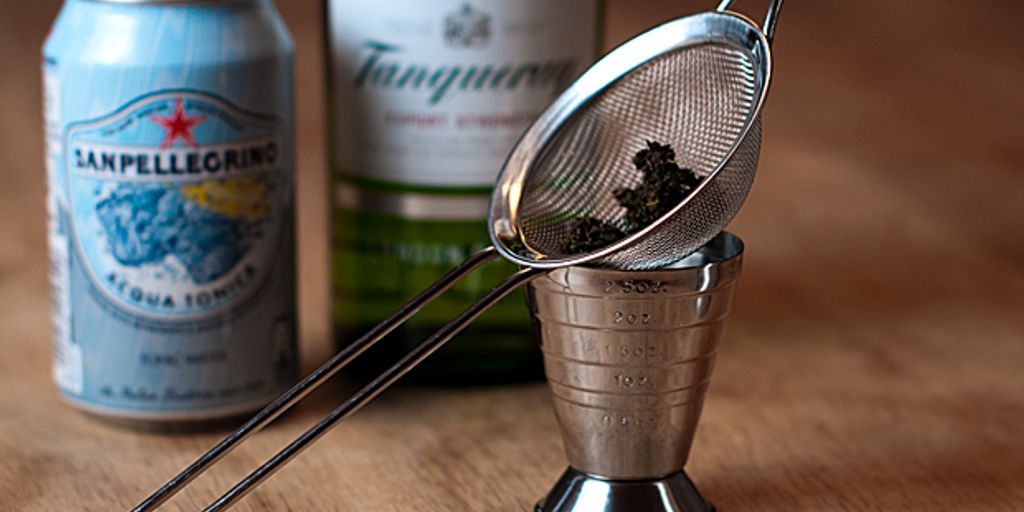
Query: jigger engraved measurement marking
(639,286)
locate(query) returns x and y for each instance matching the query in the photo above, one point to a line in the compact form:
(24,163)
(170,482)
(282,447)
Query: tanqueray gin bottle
(426,100)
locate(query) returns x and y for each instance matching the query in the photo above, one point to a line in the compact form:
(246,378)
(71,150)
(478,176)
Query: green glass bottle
(426,100)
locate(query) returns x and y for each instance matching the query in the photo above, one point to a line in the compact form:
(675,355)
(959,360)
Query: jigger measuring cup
(628,356)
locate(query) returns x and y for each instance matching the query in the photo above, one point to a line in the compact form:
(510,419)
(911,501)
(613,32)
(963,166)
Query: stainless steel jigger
(628,356)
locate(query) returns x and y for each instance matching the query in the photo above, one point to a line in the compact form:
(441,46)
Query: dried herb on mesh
(590,233)
(663,186)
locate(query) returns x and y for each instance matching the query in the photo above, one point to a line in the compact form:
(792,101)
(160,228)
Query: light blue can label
(171,209)
(177,203)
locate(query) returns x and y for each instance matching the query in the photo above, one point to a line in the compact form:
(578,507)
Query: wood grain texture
(873,361)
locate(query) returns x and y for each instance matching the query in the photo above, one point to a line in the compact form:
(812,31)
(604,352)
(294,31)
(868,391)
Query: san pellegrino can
(170,166)
(426,100)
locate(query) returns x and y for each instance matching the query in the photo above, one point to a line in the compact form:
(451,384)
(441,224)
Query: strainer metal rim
(615,65)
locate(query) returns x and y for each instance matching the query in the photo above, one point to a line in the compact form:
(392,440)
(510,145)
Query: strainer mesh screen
(697,99)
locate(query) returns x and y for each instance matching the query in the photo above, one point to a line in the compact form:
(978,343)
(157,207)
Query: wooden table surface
(874,359)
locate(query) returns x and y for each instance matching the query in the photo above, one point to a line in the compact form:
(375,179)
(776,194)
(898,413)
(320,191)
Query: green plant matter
(663,186)
(590,233)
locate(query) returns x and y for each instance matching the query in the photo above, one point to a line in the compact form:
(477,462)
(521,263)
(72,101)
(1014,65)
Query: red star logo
(178,125)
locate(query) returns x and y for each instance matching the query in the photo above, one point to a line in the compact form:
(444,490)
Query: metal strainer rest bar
(697,83)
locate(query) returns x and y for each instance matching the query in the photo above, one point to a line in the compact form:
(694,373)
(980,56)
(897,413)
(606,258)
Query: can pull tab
(770,19)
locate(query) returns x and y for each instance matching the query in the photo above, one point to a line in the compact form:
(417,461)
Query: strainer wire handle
(327,370)
(770,19)
(374,388)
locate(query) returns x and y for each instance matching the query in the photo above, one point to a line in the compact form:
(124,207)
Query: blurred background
(919,97)
(884,280)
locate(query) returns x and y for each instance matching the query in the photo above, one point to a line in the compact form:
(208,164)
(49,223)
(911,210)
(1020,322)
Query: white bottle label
(436,93)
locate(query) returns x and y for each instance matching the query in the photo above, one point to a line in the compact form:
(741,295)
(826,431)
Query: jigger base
(579,492)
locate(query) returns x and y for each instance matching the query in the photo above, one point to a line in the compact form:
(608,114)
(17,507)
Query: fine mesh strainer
(696,83)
